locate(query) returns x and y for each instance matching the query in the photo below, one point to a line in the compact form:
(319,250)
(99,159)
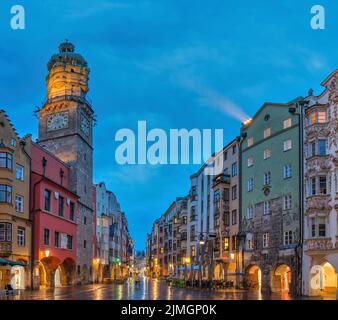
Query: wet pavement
(147,289)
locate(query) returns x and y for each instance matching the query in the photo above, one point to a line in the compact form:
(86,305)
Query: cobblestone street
(147,289)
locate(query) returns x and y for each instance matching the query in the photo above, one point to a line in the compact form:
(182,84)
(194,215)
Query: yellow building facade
(15,224)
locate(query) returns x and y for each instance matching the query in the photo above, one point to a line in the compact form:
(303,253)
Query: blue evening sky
(174,63)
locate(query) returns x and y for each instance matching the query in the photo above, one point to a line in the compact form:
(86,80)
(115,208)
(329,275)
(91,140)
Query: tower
(65,129)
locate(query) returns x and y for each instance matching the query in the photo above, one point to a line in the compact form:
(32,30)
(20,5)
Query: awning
(6,262)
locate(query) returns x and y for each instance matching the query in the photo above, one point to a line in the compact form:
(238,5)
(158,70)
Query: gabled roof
(10,123)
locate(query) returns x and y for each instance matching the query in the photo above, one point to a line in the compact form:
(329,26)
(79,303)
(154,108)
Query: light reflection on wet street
(147,289)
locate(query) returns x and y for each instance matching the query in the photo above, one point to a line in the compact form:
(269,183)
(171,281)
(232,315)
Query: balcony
(317,203)
(313,130)
(318,163)
(221,178)
(5,249)
(319,244)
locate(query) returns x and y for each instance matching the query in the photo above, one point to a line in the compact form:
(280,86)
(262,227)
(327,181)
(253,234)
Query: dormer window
(13,142)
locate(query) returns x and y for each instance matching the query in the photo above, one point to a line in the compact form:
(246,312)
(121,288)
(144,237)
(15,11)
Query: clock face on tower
(85,125)
(57,121)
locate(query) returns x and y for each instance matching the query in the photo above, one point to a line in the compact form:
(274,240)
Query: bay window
(6,160)
(5,194)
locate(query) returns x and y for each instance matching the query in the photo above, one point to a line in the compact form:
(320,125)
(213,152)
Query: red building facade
(54,212)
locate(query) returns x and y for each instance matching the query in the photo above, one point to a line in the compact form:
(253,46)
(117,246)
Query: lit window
(287,123)
(287,145)
(250,161)
(250,141)
(267,153)
(317,117)
(18,203)
(267,133)
(226,243)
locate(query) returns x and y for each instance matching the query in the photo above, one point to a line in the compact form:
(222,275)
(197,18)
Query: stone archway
(281,279)
(67,272)
(254,277)
(18,277)
(323,279)
(48,269)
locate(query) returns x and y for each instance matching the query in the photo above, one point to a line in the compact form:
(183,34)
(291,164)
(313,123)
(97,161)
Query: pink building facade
(54,212)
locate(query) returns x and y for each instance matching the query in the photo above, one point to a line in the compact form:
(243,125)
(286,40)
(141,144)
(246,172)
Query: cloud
(211,98)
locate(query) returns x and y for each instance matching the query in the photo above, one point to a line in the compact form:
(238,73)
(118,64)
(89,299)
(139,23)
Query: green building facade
(270,198)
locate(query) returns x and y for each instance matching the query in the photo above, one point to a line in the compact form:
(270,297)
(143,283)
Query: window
(318,227)
(321,227)
(57,239)
(322,185)
(19,203)
(21,237)
(234,149)
(84,220)
(19,172)
(234,217)
(267,178)
(225,243)
(249,212)
(5,232)
(234,243)
(234,193)
(250,141)
(322,147)
(72,211)
(5,194)
(250,243)
(234,169)
(226,219)
(267,153)
(184,220)
(250,161)
(61,206)
(6,160)
(312,149)
(13,142)
(69,242)
(47,196)
(287,171)
(287,145)
(312,186)
(317,117)
(46,237)
(287,202)
(287,123)
(265,240)
(84,244)
(266,207)
(250,184)
(193,251)
(267,133)
(288,238)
